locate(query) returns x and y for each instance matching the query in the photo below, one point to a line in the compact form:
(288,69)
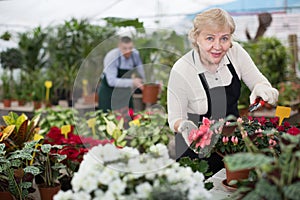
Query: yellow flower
(135,122)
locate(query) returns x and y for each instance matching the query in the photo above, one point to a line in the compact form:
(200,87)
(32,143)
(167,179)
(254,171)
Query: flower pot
(21,102)
(37,105)
(236,175)
(150,93)
(7,103)
(6,195)
(47,193)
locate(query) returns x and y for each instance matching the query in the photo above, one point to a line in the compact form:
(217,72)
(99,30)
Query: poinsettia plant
(73,146)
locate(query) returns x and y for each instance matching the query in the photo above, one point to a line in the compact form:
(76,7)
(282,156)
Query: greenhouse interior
(156,100)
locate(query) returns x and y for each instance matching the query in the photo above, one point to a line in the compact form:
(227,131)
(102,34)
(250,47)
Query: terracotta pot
(150,93)
(6,195)
(37,105)
(47,193)
(21,102)
(7,103)
(236,175)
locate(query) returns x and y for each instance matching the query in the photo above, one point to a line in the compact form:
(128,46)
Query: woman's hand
(267,93)
(185,128)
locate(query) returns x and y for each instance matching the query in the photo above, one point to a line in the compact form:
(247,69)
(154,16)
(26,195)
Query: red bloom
(293,131)
(286,124)
(281,128)
(274,121)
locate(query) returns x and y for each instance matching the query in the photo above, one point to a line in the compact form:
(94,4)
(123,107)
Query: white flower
(82,195)
(109,153)
(198,193)
(107,175)
(143,190)
(159,150)
(117,186)
(61,195)
(108,196)
(99,194)
(129,152)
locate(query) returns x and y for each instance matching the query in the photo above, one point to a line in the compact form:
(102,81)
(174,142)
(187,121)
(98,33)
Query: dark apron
(115,98)
(222,101)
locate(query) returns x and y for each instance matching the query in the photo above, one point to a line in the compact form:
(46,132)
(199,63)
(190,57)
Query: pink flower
(239,120)
(286,124)
(234,140)
(227,123)
(206,121)
(205,140)
(272,142)
(244,134)
(225,140)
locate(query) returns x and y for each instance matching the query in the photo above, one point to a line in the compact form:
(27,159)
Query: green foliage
(277,176)
(6,36)
(271,57)
(16,176)
(23,130)
(6,90)
(49,163)
(150,129)
(11,59)
(121,22)
(32,47)
(68,45)
(56,117)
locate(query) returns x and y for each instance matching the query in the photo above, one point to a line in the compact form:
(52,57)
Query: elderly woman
(206,81)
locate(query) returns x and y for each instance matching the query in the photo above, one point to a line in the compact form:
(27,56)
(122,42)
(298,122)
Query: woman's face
(213,45)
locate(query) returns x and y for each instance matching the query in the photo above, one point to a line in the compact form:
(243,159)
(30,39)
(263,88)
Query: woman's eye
(225,39)
(210,38)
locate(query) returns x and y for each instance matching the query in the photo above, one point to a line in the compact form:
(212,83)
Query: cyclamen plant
(224,136)
(107,172)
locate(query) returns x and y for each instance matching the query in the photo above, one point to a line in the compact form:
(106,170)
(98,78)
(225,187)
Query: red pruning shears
(259,102)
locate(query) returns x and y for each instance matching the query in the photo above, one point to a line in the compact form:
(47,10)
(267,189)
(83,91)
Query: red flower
(286,124)
(281,128)
(274,121)
(293,131)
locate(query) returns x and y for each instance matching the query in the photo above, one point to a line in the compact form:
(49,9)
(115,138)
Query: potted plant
(277,177)
(147,129)
(16,174)
(51,166)
(227,137)
(98,178)
(74,147)
(18,129)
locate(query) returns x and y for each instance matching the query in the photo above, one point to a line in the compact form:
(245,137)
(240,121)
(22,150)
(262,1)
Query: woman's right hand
(185,128)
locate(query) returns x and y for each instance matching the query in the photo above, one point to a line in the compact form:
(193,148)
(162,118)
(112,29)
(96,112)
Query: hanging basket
(150,93)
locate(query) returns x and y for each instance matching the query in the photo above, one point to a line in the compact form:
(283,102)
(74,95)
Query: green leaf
(239,161)
(267,191)
(46,148)
(8,120)
(20,121)
(33,170)
(292,191)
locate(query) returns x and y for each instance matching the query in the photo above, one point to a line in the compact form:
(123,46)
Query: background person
(206,81)
(123,72)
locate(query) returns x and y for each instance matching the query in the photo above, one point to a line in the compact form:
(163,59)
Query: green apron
(115,98)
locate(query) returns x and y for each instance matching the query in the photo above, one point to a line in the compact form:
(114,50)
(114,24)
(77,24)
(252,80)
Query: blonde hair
(216,18)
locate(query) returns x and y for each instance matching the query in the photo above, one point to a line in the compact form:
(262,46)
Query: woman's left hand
(267,93)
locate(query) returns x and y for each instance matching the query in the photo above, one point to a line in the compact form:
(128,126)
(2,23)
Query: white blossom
(61,195)
(117,186)
(106,172)
(143,190)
